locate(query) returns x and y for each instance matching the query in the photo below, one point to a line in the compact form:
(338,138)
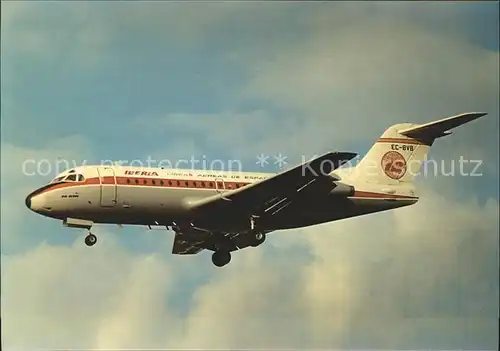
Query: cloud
(82,42)
(357,71)
(379,281)
(372,71)
(88,308)
(97,33)
(228,132)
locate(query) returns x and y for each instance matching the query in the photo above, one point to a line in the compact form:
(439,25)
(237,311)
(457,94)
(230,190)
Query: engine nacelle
(342,190)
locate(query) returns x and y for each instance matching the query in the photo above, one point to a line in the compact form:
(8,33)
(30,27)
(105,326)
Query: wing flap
(185,247)
(191,242)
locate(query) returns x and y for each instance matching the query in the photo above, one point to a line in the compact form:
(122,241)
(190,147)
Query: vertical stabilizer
(397,156)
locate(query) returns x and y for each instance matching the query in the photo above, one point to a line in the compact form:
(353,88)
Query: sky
(93,81)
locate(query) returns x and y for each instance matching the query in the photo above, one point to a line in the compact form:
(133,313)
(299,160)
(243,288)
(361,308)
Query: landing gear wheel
(90,240)
(221,258)
(258,239)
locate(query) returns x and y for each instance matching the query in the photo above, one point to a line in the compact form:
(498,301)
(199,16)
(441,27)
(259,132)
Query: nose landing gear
(90,239)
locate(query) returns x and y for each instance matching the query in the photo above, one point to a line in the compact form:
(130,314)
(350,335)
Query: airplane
(223,211)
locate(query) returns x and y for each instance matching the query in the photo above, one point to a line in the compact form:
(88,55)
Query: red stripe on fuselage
(191,184)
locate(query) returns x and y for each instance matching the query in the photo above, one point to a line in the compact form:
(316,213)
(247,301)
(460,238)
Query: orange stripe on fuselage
(191,184)
(151,182)
(90,181)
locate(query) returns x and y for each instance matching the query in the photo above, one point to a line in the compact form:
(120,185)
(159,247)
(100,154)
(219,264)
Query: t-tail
(397,156)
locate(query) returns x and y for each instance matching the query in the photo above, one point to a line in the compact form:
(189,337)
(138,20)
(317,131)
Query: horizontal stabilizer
(433,130)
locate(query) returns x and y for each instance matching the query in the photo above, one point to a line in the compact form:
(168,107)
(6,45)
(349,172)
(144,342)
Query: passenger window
(161,182)
(154,182)
(137,181)
(128,181)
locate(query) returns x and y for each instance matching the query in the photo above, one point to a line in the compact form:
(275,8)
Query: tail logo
(394,165)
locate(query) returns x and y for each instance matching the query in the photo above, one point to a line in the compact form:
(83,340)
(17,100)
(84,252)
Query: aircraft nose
(35,202)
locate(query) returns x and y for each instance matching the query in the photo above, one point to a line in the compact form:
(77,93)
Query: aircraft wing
(249,198)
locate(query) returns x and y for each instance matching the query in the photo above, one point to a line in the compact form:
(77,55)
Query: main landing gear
(221,258)
(90,239)
(258,239)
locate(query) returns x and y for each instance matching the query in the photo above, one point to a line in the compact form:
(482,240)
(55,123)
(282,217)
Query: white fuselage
(152,196)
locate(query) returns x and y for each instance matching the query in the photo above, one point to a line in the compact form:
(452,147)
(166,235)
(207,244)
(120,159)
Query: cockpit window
(58,179)
(71,178)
